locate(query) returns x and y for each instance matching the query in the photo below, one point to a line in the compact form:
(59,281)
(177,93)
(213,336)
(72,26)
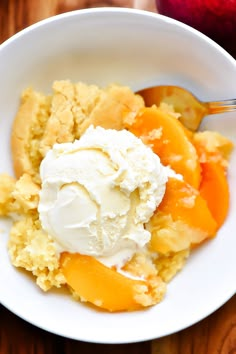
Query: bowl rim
(113,11)
(135,12)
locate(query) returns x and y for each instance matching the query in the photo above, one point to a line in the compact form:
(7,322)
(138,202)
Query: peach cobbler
(109,197)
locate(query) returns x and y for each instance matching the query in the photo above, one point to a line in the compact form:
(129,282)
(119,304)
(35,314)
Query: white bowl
(138,49)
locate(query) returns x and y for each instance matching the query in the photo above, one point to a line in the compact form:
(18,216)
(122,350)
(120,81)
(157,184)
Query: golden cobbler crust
(27,131)
(63,116)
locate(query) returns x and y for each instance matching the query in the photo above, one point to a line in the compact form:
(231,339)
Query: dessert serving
(109,197)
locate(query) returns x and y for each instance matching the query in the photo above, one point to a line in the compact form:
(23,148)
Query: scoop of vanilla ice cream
(98,192)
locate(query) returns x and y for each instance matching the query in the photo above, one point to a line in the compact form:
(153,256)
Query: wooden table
(214,335)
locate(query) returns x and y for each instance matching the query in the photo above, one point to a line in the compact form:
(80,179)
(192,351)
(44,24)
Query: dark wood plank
(214,335)
(18,337)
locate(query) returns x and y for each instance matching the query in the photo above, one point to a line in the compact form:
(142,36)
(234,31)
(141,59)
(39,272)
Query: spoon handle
(221,106)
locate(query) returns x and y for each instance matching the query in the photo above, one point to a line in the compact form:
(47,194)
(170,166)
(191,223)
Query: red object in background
(215,18)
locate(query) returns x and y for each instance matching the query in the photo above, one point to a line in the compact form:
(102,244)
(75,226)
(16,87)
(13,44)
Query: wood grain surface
(214,335)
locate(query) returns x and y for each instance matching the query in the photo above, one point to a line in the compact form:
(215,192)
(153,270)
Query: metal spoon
(192,110)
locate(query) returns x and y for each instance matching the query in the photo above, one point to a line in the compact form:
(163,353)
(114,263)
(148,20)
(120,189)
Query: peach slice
(170,141)
(182,219)
(185,203)
(105,287)
(214,189)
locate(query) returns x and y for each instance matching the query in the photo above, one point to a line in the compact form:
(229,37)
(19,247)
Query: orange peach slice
(169,140)
(185,203)
(182,219)
(214,189)
(105,287)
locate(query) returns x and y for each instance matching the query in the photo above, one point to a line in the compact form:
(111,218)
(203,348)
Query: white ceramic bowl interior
(138,49)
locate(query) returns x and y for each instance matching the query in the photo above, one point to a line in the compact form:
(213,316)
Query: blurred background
(215,18)
(149,5)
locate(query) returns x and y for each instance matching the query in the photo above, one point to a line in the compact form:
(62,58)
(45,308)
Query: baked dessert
(80,117)
(63,116)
